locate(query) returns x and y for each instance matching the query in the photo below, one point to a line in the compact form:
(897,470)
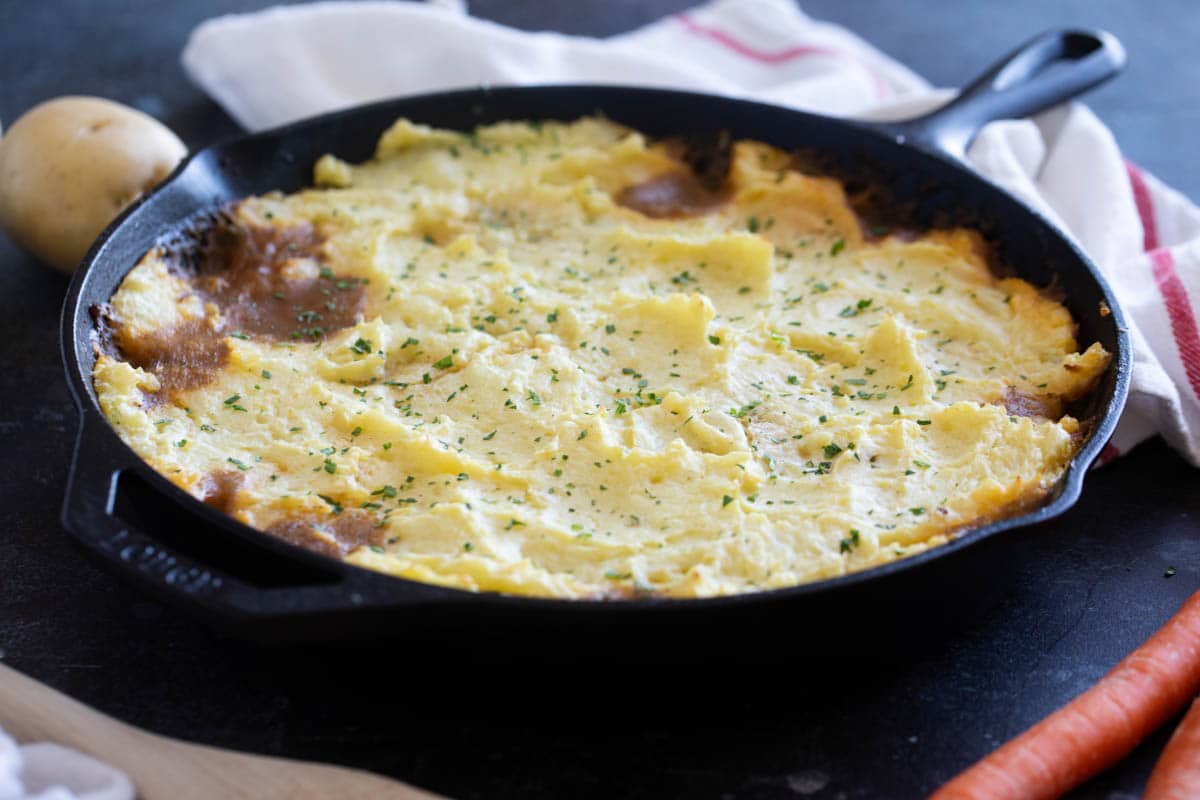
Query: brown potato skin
(69,165)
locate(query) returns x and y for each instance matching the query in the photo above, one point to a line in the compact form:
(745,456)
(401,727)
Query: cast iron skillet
(140,525)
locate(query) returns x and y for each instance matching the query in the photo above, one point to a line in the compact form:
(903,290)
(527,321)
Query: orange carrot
(1098,728)
(1176,776)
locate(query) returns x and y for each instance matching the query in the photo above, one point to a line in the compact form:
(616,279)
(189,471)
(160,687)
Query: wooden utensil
(161,767)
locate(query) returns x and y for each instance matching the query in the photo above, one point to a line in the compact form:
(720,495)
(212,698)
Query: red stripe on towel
(778,56)
(1145,209)
(1179,311)
(1174,293)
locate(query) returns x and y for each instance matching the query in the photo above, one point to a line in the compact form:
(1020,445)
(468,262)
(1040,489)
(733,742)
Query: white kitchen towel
(283,64)
(45,771)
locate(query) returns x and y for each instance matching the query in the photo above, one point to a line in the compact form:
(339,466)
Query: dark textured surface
(478,722)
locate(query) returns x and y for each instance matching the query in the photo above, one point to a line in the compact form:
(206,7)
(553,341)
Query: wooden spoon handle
(161,767)
(31,711)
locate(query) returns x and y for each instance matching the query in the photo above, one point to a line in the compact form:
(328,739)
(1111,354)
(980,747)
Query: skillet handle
(139,525)
(1046,70)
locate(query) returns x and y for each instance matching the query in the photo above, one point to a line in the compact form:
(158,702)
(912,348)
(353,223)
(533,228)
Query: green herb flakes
(850,543)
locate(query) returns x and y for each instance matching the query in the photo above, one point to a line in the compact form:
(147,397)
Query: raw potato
(70,165)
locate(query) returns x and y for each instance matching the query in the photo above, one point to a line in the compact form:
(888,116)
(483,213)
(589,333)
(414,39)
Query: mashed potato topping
(550,359)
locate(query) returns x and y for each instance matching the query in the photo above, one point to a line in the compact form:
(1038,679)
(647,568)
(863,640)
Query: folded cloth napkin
(46,771)
(283,64)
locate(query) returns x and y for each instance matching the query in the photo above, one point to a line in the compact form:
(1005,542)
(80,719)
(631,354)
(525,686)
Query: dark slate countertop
(1087,588)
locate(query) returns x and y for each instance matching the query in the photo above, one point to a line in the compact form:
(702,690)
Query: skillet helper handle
(1048,69)
(181,551)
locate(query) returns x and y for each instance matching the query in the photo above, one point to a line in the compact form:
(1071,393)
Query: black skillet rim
(387,590)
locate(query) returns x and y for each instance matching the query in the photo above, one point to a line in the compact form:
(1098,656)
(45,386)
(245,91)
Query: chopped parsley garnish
(714,339)
(243,466)
(850,542)
(334,505)
(838,247)
(726,500)
(330,467)
(856,309)
(361,345)
(444,363)
(832,450)
(738,413)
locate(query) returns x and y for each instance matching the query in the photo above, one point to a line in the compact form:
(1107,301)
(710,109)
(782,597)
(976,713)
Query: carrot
(1176,776)
(1098,728)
